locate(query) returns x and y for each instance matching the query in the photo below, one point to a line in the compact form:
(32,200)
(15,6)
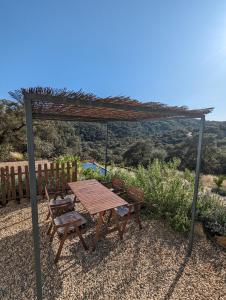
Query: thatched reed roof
(52,104)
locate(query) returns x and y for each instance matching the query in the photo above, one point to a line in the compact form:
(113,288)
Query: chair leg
(116,220)
(59,249)
(50,228)
(98,228)
(81,239)
(124,225)
(138,220)
(53,233)
(109,217)
(48,215)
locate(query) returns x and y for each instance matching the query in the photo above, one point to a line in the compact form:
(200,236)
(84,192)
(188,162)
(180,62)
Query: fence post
(20,183)
(7,181)
(62,177)
(57,177)
(106,150)
(51,177)
(46,175)
(27,184)
(74,171)
(13,183)
(3,186)
(40,179)
(68,172)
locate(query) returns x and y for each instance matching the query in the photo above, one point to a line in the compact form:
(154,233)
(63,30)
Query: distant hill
(164,139)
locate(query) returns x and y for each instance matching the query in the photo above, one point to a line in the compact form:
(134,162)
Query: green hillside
(129,143)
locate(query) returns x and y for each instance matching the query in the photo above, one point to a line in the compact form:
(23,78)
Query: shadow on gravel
(177,278)
(17,280)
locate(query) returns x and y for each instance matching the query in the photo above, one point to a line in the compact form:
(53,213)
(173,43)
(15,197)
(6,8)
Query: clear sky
(168,51)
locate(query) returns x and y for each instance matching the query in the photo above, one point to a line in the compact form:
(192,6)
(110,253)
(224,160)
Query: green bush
(212,211)
(66,158)
(219,181)
(166,189)
(95,174)
(169,193)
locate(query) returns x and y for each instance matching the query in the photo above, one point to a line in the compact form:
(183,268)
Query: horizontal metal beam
(62,117)
(74,119)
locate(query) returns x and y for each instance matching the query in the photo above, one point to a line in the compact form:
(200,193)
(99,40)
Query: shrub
(166,189)
(5,150)
(95,174)
(67,158)
(219,181)
(212,211)
(170,193)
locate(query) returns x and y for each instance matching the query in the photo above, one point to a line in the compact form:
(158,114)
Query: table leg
(116,221)
(98,229)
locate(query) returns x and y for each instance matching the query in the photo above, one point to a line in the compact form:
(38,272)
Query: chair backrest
(135,194)
(47,193)
(117,184)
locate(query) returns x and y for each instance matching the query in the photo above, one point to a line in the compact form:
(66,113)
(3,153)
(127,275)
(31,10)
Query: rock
(221,240)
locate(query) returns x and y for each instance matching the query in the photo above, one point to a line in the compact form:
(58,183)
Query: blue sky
(168,51)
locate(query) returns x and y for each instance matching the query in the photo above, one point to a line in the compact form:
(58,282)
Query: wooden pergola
(52,104)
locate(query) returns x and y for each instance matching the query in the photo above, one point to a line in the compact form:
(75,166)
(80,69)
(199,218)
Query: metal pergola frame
(32,174)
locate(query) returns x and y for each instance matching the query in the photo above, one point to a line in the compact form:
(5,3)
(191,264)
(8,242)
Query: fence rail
(14,185)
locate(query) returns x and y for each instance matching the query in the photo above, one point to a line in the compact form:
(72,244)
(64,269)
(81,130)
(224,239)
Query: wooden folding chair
(66,225)
(59,201)
(124,213)
(117,186)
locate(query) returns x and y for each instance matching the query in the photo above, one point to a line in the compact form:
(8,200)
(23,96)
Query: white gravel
(147,264)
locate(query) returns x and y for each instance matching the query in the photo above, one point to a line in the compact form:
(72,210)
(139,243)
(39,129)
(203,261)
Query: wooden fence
(14,183)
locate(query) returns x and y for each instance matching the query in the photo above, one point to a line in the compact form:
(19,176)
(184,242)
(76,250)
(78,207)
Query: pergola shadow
(177,277)
(17,272)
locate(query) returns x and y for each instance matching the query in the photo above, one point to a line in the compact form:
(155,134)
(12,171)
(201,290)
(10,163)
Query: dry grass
(145,265)
(208,181)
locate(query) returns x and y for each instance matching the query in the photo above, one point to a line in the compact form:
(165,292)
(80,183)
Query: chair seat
(123,210)
(67,217)
(57,202)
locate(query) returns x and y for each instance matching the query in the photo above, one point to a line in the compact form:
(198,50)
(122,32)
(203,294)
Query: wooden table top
(94,196)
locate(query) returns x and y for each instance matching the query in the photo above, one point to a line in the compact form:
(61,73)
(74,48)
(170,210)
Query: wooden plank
(57,177)
(51,184)
(20,183)
(74,171)
(27,184)
(62,177)
(13,183)
(68,171)
(40,179)
(46,175)
(95,197)
(8,185)
(3,187)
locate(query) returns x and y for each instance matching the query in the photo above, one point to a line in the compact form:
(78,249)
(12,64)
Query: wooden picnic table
(97,199)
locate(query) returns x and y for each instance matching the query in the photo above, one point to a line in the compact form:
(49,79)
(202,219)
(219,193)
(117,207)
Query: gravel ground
(147,264)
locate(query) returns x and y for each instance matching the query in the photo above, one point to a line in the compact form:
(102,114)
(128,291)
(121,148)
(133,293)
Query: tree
(143,153)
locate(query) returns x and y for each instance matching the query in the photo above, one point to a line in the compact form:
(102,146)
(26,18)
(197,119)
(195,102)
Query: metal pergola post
(106,150)
(196,186)
(33,196)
